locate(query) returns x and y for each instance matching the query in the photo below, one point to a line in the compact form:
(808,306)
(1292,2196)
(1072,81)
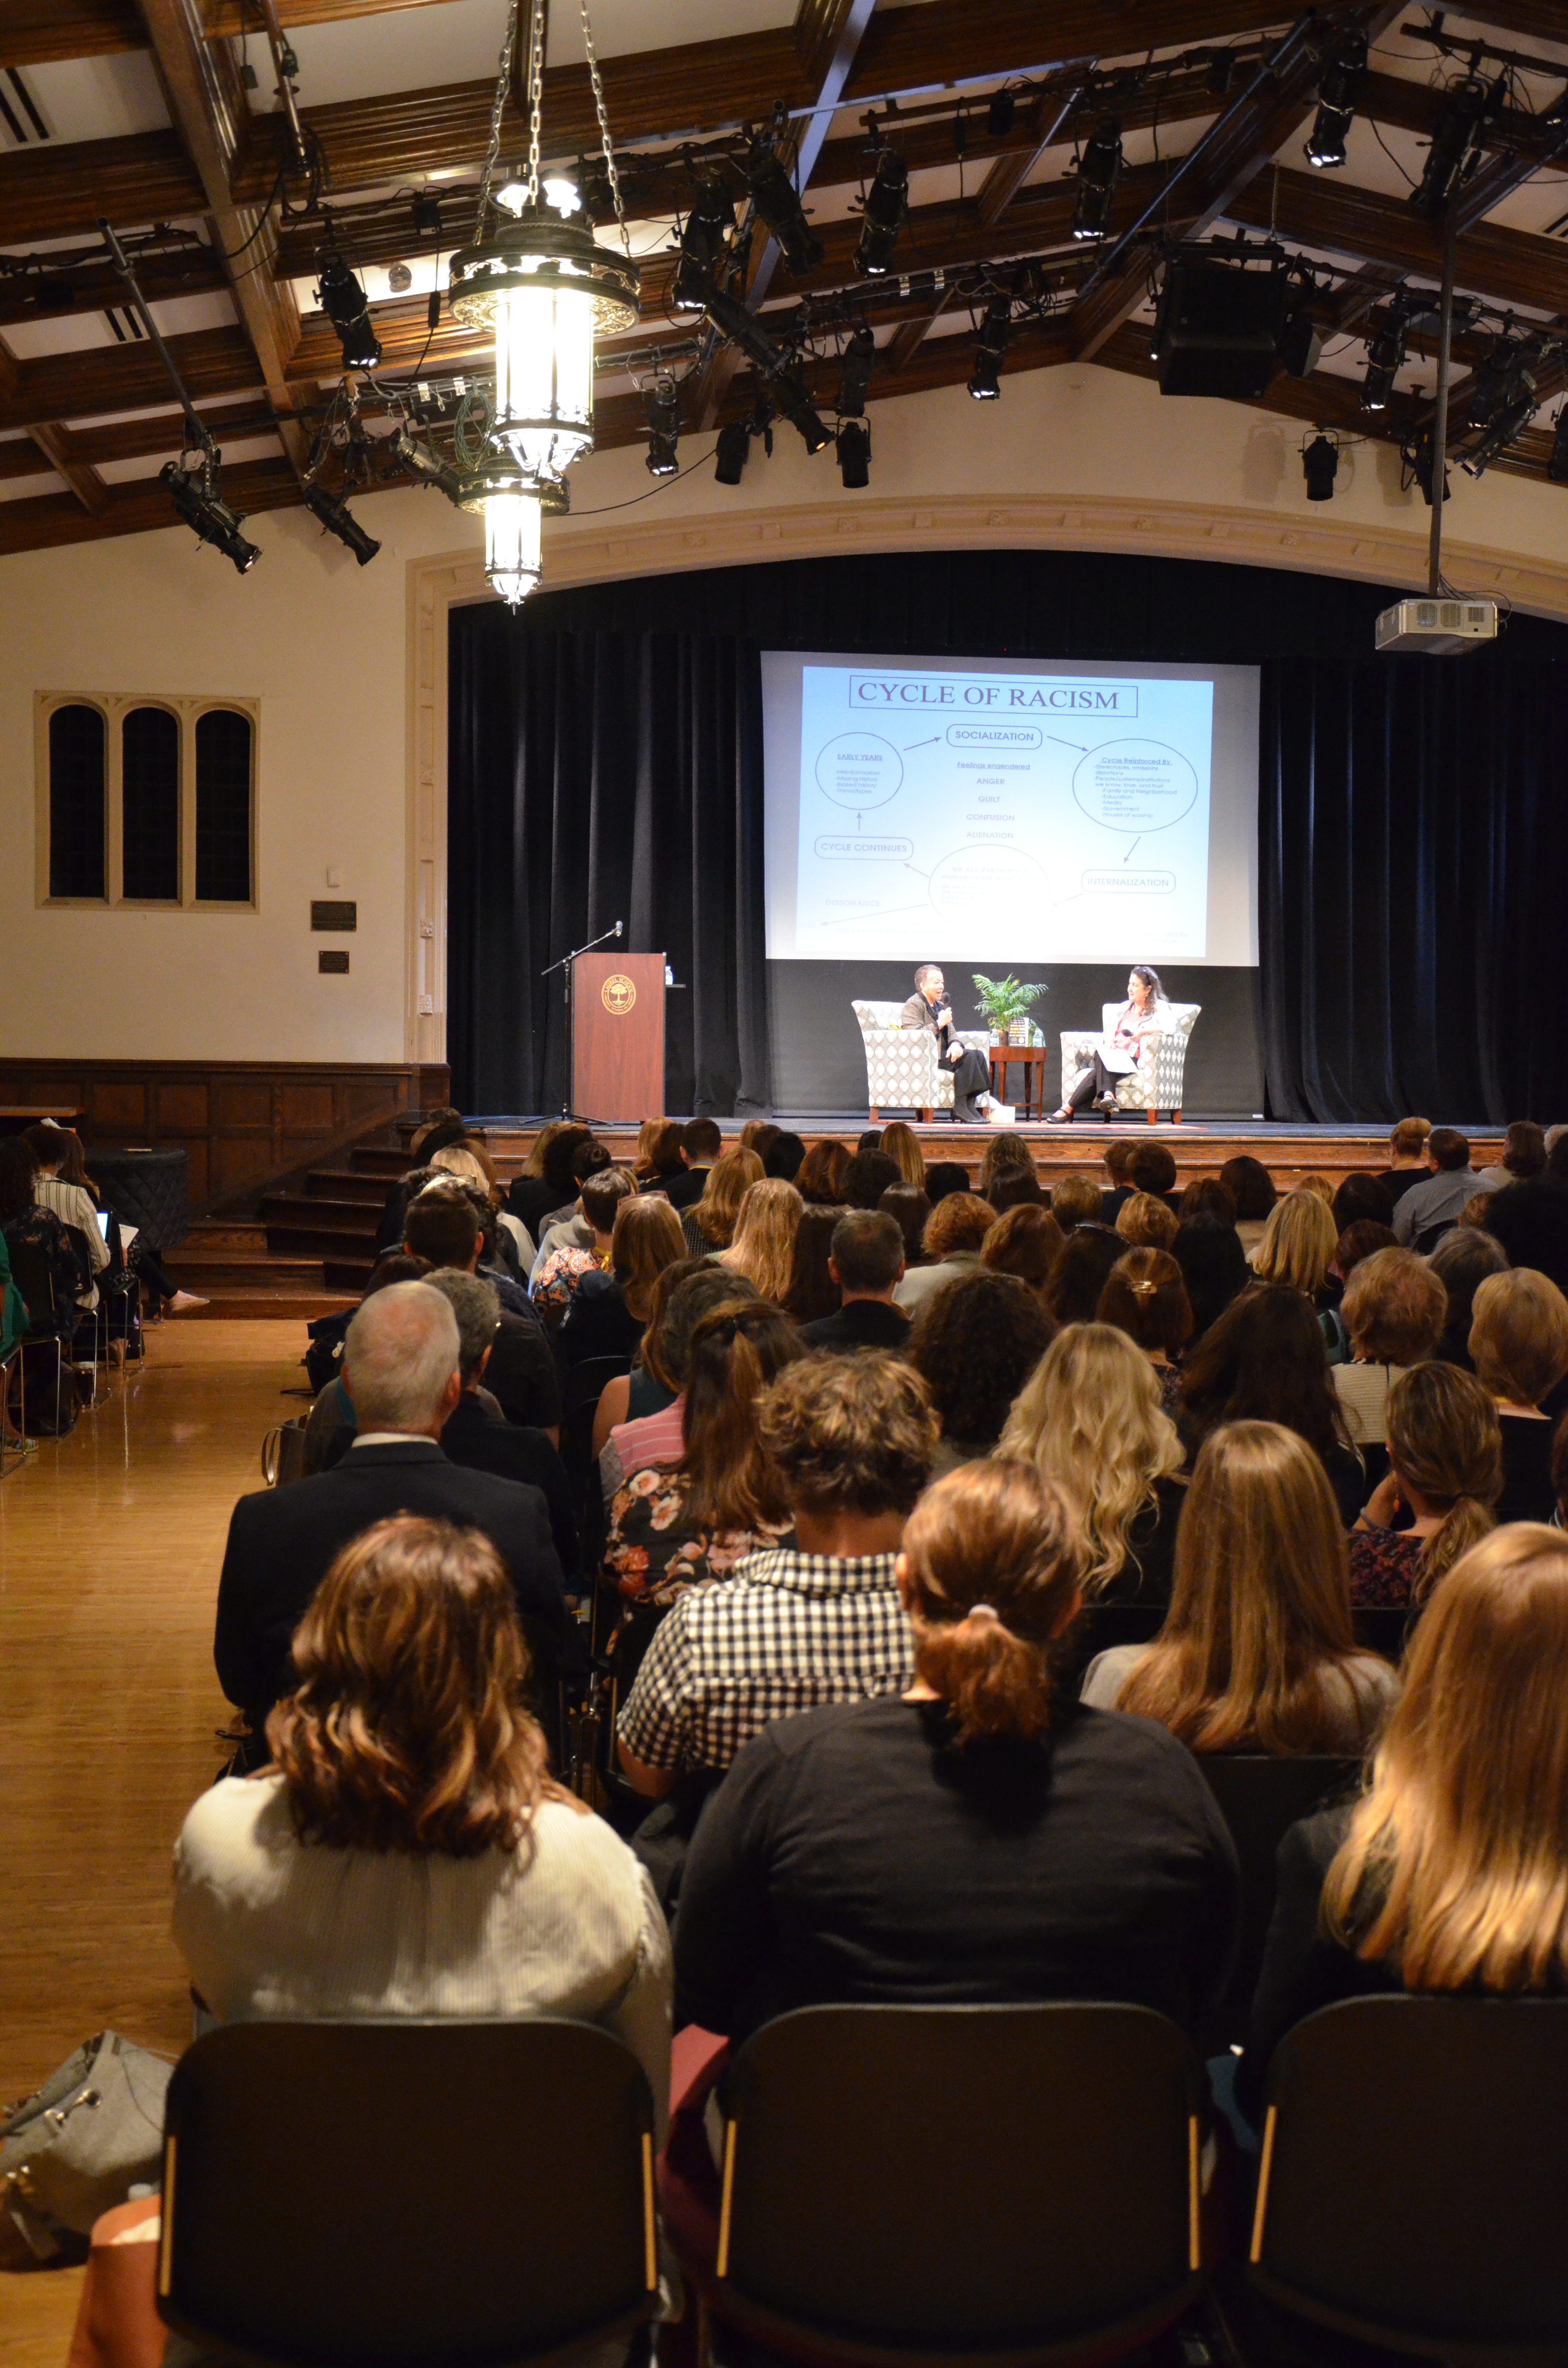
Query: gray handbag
(76,2146)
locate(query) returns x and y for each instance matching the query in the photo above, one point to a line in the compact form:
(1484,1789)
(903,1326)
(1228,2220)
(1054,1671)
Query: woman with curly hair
(407,1853)
(901,1145)
(711,1225)
(975,1344)
(763,1248)
(954,1236)
(820,1182)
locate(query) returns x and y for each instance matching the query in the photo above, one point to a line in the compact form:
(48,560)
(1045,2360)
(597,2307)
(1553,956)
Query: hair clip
(983,1612)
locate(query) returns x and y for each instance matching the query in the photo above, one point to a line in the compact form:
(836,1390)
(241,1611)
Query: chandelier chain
(605,140)
(536,92)
(503,83)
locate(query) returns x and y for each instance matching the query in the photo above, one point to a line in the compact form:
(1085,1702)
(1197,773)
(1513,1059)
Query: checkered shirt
(788,1631)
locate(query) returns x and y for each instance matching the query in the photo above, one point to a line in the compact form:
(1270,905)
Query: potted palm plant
(1005,1003)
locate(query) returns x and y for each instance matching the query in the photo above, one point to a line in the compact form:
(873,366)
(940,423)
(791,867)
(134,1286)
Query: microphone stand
(565,967)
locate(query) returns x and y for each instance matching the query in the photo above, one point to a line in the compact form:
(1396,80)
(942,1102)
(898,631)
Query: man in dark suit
(441,1226)
(400,1366)
(928,1007)
(866,1259)
(701,1143)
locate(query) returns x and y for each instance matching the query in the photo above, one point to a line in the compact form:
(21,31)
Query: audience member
(955,1234)
(820,1180)
(866,1262)
(75,1206)
(547,1178)
(1425,1212)
(1078,1200)
(812,1292)
(909,1210)
(1444,1471)
(1118,1160)
(1310,1180)
(709,1224)
(1142,1221)
(942,1177)
(442,1227)
(1361,1240)
(39,1245)
(1089,1416)
(1213,1266)
(641,1415)
(1361,1197)
(1087,1256)
(1256,1653)
(1146,1296)
(407,1853)
(1263,1361)
(330,1425)
(562,1270)
(677,1525)
(983,1838)
(1524,1155)
(1530,1219)
(1445,1876)
(902,1144)
(1297,1248)
(782,1159)
(1519,1339)
(868,1176)
(1027,1241)
(1207,1196)
(1251,1186)
(1407,1150)
(400,1367)
(1464,1258)
(763,1248)
(1005,1150)
(759,1134)
(1016,1187)
(567,1223)
(661,1152)
(869,1138)
(1394,1309)
(975,1344)
(609,1312)
(1152,1169)
(701,1143)
(476,1433)
(819,1621)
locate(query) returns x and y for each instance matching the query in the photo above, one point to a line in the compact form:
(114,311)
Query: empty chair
(1413,2189)
(1060,2217)
(400,2195)
(1260,1796)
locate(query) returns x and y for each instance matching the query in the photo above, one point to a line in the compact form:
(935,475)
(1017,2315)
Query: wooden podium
(618,1037)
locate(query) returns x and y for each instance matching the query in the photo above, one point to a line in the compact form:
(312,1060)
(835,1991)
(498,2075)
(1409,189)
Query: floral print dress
(653,1554)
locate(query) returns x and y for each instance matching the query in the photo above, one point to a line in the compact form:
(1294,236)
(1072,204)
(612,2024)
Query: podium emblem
(617,995)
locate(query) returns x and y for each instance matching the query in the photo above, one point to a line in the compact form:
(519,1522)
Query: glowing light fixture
(513,506)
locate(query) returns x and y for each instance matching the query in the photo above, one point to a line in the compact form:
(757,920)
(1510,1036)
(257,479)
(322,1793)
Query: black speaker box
(1218,329)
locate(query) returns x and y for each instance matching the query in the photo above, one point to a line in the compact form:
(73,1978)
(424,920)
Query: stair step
(211,1270)
(231,1236)
(380,1159)
(263,1300)
(347,1184)
(346,1274)
(319,1213)
(297,1240)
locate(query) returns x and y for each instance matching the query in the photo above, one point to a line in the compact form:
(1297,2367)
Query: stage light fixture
(703,239)
(426,210)
(778,202)
(787,393)
(1222,73)
(1218,325)
(1344,75)
(1419,454)
(1557,466)
(424,461)
(999,113)
(340,521)
(732,452)
(1508,423)
(990,347)
(860,359)
(887,204)
(1455,144)
(1100,169)
(854,454)
(1301,340)
(1385,359)
(1320,466)
(207,514)
(663,427)
(343,301)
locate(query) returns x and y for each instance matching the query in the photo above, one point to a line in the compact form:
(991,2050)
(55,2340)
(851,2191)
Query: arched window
(223,754)
(149,755)
(78,747)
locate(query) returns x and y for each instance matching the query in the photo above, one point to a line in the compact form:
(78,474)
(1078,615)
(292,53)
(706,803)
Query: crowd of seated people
(879,1464)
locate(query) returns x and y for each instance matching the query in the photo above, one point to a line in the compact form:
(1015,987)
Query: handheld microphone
(618,928)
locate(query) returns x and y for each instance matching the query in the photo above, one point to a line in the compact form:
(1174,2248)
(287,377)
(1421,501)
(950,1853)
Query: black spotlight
(732,452)
(1508,423)
(790,397)
(343,300)
(1100,169)
(999,114)
(1557,466)
(340,521)
(425,463)
(854,454)
(989,345)
(1385,359)
(860,359)
(1345,72)
(702,243)
(208,516)
(777,201)
(887,203)
(1320,466)
(426,208)
(663,427)
(1455,144)
(1419,455)
(1222,73)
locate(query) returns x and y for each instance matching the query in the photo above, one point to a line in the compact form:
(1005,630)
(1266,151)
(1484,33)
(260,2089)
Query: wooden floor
(110,1544)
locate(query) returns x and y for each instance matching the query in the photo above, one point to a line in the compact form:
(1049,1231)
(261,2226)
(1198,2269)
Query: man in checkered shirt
(795,1626)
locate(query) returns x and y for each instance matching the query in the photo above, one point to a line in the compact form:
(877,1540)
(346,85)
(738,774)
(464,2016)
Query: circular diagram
(860,770)
(1135,785)
(987,885)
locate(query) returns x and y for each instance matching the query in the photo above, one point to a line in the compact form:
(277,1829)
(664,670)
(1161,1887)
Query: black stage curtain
(606,761)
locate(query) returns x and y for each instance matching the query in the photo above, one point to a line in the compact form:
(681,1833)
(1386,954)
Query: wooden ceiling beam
(72,284)
(80,476)
(57,192)
(47,519)
(136,440)
(95,382)
(37,32)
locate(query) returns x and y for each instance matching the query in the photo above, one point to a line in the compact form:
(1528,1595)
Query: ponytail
(1465,1523)
(993,1681)
(730,1482)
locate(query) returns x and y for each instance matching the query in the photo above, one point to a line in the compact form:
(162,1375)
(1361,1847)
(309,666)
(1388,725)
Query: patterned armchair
(1155,1084)
(901,1069)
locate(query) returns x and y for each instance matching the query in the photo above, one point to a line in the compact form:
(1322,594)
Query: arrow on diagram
(923,743)
(1067,743)
(1134,849)
(915,868)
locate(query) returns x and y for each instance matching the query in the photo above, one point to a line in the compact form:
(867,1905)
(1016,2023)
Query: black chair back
(1098,1627)
(1414,2184)
(1382,1628)
(927,2184)
(581,1387)
(402,2194)
(1260,1796)
(33,1275)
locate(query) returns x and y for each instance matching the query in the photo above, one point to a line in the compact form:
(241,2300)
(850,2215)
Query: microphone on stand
(618,928)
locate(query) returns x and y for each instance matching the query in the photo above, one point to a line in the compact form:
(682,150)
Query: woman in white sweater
(407,1853)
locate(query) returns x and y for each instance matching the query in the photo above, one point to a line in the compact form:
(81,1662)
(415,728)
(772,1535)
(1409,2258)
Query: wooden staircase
(309,1249)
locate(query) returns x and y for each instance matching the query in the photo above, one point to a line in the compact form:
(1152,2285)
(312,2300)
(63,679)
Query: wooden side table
(1032,1058)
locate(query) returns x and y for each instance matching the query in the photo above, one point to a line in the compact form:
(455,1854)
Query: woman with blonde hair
(902,1144)
(1518,1340)
(407,1853)
(1256,1651)
(1145,1222)
(1450,1873)
(763,1248)
(1298,1241)
(711,1225)
(1446,1468)
(1089,1418)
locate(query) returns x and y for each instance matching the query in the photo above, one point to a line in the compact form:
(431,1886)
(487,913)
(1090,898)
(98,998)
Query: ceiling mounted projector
(1437,628)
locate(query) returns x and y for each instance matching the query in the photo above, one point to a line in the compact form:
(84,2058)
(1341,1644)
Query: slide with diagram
(994,817)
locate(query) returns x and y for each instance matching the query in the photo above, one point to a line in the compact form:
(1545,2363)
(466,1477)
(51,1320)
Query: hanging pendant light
(543,287)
